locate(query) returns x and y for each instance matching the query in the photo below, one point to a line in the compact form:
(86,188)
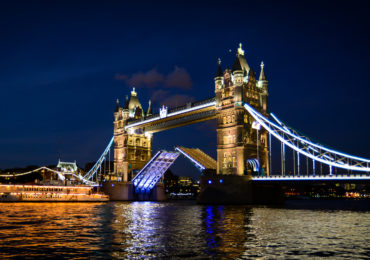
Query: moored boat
(50,193)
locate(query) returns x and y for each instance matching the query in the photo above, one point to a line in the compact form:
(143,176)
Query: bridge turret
(116,111)
(237,79)
(263,83)
(219,80)
(149,112)
(237,140)
(134,104)
(219,76)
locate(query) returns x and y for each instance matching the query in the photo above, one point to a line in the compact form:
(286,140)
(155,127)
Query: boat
(50,193)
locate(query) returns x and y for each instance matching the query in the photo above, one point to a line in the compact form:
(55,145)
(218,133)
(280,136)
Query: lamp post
(257,126)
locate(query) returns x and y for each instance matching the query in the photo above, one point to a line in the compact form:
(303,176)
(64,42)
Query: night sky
(63,64)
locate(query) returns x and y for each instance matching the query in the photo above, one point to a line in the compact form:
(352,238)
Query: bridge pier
(236,189)
(125,191)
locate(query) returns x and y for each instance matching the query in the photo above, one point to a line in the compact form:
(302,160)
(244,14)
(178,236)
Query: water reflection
(226,229)
(147,230)
(32,229)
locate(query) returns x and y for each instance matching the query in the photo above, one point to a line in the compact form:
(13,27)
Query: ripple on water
(179,230)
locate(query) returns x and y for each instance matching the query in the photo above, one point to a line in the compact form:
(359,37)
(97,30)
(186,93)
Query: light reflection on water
(178,230)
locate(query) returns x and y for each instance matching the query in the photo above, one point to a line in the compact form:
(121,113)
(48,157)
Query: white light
(148,135)
(261,120)
(163,112)
(308,178)
(213,103)
(190,158)
(256,125)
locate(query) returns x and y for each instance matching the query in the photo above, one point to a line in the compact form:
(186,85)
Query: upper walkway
(190,113)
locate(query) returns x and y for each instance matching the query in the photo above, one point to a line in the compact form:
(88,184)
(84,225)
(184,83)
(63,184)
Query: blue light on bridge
(209,182)
(221,181)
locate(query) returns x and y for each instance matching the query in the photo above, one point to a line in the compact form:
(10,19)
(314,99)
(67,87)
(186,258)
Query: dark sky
(64,63)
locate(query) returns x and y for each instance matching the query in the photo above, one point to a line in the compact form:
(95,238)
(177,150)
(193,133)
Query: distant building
(185,181)
(68,170)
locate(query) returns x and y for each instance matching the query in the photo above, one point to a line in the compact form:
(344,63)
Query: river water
(180,230)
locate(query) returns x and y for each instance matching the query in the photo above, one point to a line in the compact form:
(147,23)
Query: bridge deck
(150,174)
(198,157)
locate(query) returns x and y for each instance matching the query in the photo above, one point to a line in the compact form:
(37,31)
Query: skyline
(60,77)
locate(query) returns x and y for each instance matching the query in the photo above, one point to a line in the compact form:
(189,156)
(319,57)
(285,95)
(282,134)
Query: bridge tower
(240,141)
(132,149)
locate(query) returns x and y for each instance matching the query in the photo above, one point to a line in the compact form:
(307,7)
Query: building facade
(132,150)
(242,145)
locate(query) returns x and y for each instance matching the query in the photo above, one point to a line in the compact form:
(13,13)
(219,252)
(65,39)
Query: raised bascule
(242,172)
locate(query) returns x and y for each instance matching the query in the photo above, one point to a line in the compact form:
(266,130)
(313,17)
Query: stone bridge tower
(240,142)
(132,150)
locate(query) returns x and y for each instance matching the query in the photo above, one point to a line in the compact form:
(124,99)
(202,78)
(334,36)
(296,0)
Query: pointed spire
(133,92)
(126,103)
(219,69)
(117,106)
(236,65)
(251,73)
(262,74)
(149,112)
(240,50)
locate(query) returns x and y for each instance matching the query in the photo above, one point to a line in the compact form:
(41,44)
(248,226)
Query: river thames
(178,230)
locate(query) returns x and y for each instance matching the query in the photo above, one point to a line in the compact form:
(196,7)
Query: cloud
(178,78)
(177,100)
(142,79)
(163,97)
(159,95)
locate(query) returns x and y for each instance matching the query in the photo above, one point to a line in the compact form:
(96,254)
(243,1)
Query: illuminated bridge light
(303,145)
(221,181)
(209,182)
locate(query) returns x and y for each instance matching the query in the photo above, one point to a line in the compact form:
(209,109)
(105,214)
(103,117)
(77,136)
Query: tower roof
(252,74)
(126,103)
(149,112)
(236,65)
(262,74)
(134,101)
(219,69)
(117,106)
(243,62)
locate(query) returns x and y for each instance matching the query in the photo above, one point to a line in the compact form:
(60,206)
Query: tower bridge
(245,128)
(237,139)
(244,133)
